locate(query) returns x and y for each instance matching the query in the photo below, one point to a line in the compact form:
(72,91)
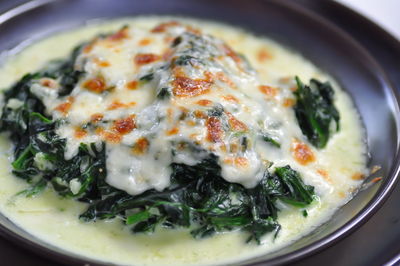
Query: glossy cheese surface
(154,118)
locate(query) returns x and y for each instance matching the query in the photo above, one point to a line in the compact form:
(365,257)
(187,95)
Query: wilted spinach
(315,111)
(198,197)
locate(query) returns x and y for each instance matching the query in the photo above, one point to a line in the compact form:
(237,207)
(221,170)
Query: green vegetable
(147,78)
(201,199)
(198,197)
(315,111)
(186,60)
(34,189)
(164,94)
(271,140)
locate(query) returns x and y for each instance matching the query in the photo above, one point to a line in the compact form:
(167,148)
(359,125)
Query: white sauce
(330,173)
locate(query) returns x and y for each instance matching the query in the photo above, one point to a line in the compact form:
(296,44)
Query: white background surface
(385,13)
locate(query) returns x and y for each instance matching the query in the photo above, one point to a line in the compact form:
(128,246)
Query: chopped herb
(147,78)
(271,140)
(244,143)
(138,217)
(217,110)
(185,60)
(164,94)
(176,41)
(34,189)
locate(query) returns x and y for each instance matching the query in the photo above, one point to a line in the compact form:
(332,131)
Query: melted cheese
(254,102)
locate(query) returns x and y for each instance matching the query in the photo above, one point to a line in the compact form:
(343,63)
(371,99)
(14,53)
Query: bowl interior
(326,46)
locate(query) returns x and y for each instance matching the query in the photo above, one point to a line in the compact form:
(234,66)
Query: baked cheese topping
(158,92)
(173,94)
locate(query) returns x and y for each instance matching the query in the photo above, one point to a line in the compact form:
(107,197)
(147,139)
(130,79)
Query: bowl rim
(381,195)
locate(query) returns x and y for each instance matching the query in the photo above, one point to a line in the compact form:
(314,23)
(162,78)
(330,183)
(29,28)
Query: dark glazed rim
(359,219)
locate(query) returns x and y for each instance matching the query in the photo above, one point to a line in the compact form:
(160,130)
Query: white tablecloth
(385,13)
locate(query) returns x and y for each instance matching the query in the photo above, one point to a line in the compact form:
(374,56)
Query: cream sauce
(260,109)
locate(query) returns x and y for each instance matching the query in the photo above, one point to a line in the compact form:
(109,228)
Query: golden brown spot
(104,64)
(132,85)
(117,104)
(163,26)
(376,179)
(96,117)
(237,161)
(193,30)
(286,79)
(124,125)
(221,76)
(208,76)
(112,137)
(186,87)
(228,160)
(241,161)
(65,106)
(141,146)
(325,175)
(230,98)
(97,85)
(193,136)
(358,176)
(204,102)
(170,114)
(172,131)
(229,52)
(178,71)
(302,153)
(288,102)
(80,133)
(199,114)
(143,59)
(119,35)
(184,112)
(49,83)
(222,147)
(214,129)
(263,55)
(236,124)
(191,123)
(233,148)
(109,136)
(99,131)
(341,194)
(168,39)
(101,63)
(145,41)
(268,90)
(89,47)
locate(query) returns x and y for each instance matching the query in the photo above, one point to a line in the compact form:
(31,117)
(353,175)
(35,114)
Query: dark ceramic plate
(326,45)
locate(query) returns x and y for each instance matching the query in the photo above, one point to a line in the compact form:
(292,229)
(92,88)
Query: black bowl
(318,40)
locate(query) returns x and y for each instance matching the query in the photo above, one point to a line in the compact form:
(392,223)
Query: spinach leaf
(198,197)
(272,140)
(315,111)
(201,199)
